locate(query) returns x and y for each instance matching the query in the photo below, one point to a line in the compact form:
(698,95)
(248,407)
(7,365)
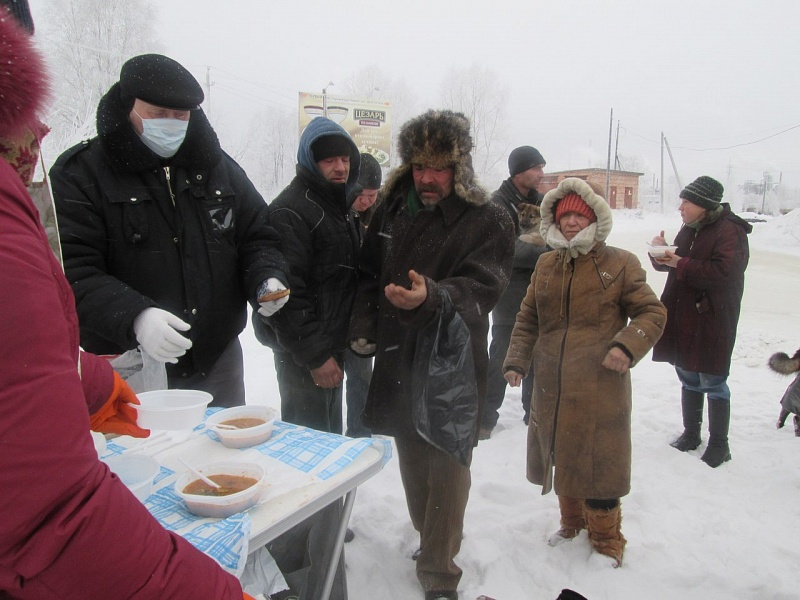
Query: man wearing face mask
(164,237)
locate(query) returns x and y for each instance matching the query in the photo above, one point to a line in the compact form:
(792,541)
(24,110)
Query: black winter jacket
(188,234)
(320,240)
(525,255)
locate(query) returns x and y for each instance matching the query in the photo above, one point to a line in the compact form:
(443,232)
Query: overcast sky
(708,74)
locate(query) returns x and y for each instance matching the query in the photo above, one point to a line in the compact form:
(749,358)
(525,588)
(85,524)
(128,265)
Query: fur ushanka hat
(439,139)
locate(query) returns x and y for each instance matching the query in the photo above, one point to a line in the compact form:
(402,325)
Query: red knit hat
(572,202)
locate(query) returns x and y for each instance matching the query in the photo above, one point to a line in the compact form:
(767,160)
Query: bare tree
(86,43)
(477,93)
(269,151)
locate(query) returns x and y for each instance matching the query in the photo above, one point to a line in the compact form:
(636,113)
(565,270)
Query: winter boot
(692,409)
(572,520)
(719,418)
(605,534)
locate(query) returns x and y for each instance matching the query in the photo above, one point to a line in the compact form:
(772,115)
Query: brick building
(623,190)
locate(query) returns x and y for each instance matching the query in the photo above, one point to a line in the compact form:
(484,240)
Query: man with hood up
(434,231)
(165,240)
(321,243)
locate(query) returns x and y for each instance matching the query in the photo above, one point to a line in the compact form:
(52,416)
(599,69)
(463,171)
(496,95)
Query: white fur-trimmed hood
(596,202)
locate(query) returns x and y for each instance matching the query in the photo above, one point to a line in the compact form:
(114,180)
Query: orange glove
(116,416)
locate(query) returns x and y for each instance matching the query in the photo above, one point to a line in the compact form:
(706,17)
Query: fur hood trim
(782,363)
(439,139)
(597,232)
(24,83)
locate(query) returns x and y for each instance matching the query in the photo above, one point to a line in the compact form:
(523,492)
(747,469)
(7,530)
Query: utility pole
(608,160)
(325,99)
(209,83)
(617,165)
(671,160)
(662,172)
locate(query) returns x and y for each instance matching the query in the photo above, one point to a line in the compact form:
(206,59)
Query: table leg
(349,500)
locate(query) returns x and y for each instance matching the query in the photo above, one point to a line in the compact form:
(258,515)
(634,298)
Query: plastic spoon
(210,482)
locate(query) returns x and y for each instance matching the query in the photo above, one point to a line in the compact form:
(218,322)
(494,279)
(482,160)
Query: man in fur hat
(434,231)
(165,239)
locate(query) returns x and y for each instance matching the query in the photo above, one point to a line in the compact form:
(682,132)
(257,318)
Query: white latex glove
(272,306)
(156,331)
(362,347)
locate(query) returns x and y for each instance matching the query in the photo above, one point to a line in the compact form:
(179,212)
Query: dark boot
(605,533)
(719,418)
(692,409)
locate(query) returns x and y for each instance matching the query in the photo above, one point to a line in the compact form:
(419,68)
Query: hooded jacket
(703,295)
(583,299)
(463,244)
(70,529)
(187,234)
(321,243)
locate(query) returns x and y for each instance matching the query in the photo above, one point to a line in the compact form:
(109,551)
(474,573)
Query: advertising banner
(367,121)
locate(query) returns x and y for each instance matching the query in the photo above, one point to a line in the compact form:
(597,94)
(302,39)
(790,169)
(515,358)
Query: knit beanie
(572,202)
(21,12)
(161,81)
(370,176)
(331,145)
(704,191)
(523,158)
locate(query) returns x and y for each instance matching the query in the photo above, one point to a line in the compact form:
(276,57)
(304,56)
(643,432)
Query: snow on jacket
(463,245)
(703,295)
(525,255)
(575,310)
(127,247)
(70,529)
(321,243)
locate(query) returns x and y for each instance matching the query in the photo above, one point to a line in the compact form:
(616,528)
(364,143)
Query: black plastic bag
(443,386)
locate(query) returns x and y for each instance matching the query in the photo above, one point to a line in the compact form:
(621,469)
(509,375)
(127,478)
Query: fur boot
(692,409)
(604,526)
(572,520)
(719,418)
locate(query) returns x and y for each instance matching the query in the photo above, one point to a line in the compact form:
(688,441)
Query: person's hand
(272,295)
(363,347)
(669,259)
(117,415)
(156,331)
(513,378)
(617,360)
(408,299)
(329,375)
(659,240)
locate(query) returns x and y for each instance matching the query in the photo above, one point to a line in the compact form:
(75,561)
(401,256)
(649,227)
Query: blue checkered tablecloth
(305,451)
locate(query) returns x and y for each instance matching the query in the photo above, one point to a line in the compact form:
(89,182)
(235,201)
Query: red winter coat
(703,295)
(69,528)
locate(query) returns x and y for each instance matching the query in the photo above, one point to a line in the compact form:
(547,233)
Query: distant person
(703,296)
(321,244)
(70,528)
(165,239)
(525,169)
(587,318)
(358,369)
(434,232)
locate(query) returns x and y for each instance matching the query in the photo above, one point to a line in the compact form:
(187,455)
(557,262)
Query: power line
(739,145)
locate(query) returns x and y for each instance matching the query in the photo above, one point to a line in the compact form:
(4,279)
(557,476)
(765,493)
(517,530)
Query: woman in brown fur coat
(587,317)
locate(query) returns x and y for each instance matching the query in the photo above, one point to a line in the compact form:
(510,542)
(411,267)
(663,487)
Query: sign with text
(367,121)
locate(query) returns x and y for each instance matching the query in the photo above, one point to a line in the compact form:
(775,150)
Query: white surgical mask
(163,136)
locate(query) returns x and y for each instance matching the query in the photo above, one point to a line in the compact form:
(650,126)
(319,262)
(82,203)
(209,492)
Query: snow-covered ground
(693,532)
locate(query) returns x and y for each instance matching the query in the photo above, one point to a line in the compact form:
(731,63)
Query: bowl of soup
(240,487)
(171,409)
(243,426)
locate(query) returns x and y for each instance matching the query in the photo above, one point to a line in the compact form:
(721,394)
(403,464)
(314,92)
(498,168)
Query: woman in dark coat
(703,296)
(587,317)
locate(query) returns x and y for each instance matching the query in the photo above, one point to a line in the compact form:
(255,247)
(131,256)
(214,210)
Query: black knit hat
(331,145)
(523,158)
(161,81)
(704,191)
(21,12)
(370,176)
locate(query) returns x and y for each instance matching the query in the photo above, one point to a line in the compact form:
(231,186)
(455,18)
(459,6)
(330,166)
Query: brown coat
(574,311)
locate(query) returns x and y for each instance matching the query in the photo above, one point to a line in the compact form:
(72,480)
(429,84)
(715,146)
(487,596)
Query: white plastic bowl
(242,438)
(223,506)
(136,471)
(172,409)
(659,251)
